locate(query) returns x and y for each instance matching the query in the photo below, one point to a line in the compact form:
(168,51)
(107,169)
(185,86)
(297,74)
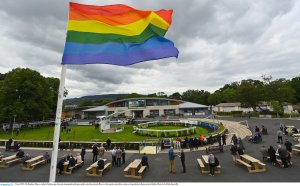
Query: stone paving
(159,164)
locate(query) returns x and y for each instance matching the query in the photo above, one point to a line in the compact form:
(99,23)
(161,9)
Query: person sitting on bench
(100,164)
(72,162)
(26,157)
(78,158)
(47,157)
(60,165)
(145,160)
(20,154)
(294,130)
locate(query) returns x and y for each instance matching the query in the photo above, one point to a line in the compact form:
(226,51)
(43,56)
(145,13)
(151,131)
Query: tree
(295,84)
(28,95)
(196,96)
(250,93)
(277,107)
(176,95)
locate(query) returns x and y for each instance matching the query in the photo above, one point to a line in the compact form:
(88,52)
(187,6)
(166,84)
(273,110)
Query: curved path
(233,127)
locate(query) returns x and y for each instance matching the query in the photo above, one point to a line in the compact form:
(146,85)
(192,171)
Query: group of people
(117,154)
(193,143)
(283,152)
(72,162)
(237,147)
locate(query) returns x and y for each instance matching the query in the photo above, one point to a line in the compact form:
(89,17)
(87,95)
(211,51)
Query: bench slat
(127,169)
(244,163)
(200,163)
(142,169)
(39,162)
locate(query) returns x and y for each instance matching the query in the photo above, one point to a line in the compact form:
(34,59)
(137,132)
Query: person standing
(233,150)
(272,154)
(264,152)
(171,159)
(234,140)
(223,139)
(219,138)
(288,145)
(279,136)
(118,156)
(182,159)
(95,152)
(283,155)
(101,151)
(82,153)
(113,155)
(108,143)
(195,143)
(123,155)
(191,143)
(212,165)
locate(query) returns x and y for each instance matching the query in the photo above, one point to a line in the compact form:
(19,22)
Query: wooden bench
(33,162)
(133,169)
(296,151)
(262,165)
(202,167)
(142,169)
(241,162)
(214,148)
(106,166)
(70,169)
(127,169)
(6,162)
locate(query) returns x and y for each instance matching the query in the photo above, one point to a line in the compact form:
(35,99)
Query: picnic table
(135,167)
(205,165)
(31,163)
(252,164)
(212,148)
(296,137)
(92,169)
(7,161)
(67,170)
(296,150)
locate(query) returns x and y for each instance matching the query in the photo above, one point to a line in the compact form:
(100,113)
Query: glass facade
(154,112)
(169,112)
(157,102)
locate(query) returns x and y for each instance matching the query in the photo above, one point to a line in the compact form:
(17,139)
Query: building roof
(236,104)
(95,109)
(191,105)
(146,98)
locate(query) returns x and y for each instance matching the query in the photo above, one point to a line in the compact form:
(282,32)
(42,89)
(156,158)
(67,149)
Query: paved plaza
(159,164)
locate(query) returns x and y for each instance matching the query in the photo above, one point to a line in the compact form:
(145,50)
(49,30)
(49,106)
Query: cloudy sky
(219,42)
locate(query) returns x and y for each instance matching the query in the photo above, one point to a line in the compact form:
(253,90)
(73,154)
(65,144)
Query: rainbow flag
(117,35)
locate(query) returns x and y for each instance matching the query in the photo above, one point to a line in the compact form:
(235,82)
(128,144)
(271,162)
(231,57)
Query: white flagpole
(57,124)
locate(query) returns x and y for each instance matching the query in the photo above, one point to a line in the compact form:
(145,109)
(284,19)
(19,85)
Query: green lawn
(167,127)
(88,133)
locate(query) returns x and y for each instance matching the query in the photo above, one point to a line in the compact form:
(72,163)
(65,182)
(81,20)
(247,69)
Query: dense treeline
(26,95)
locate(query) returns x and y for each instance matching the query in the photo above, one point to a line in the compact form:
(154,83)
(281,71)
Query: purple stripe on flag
(121,60)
